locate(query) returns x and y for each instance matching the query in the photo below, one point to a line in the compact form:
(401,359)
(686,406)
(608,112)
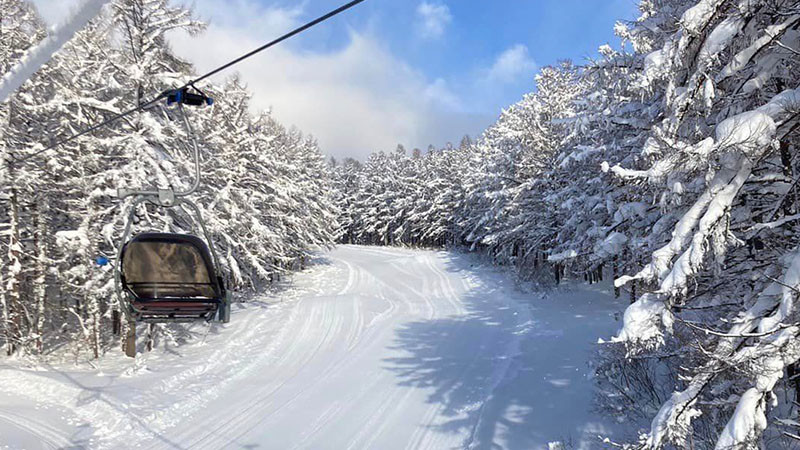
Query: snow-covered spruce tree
(721,288)
(20,299)
(508,208)
(375,214)
(265,193)
(593,221)
(345,187)
(78,187)
(233,191)
(111,72)
(244,189)
(441,203)
(402,199)
(315,210)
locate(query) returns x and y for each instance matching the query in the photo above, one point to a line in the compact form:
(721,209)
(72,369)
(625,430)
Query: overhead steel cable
(189,84)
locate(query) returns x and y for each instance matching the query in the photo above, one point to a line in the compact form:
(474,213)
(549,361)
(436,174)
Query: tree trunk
(116,323)
(786,161)
(40,287)
(96,334)
(13,313)
(129,344)
(151,336)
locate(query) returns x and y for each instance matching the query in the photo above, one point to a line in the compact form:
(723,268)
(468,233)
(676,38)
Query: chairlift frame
(169,198)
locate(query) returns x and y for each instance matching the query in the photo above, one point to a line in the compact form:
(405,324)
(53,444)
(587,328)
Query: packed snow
(370,348)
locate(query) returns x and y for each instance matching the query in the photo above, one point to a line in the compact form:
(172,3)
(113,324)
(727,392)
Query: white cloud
(439,92)
(511,65)
(248,17)
(433,19)
(354,100)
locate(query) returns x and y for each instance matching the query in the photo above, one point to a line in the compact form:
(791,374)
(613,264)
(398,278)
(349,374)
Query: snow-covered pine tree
(20,27)
(345,188)
(727,77)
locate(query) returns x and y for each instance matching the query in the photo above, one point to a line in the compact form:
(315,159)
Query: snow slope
(371,348)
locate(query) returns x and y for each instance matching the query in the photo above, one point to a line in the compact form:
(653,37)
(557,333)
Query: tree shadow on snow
(91,394)
(502,373)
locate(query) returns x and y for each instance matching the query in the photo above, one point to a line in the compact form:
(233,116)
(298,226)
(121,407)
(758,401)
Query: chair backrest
(169,266)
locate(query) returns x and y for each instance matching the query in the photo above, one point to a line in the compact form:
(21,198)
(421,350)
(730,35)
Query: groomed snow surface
(371,348)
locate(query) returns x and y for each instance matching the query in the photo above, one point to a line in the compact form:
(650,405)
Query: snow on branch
(742,139)
(644,320)
(562,256)
(673,421)
(772,225)
(772,33)
(749,419)
(41,53)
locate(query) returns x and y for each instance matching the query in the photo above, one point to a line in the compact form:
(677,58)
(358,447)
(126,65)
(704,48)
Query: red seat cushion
(159,304)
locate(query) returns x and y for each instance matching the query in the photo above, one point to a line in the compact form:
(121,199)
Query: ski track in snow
(371,348)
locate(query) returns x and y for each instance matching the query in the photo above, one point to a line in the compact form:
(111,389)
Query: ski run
(370,348)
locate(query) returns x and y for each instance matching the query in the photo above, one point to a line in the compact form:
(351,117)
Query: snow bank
(41,53)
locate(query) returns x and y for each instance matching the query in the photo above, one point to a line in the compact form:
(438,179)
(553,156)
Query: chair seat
(174,311)
(173,305)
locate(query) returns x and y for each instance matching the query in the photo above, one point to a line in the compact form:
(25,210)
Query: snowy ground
(372,348)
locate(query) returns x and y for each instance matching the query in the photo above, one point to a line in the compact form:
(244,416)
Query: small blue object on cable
(183,96)
(101,261)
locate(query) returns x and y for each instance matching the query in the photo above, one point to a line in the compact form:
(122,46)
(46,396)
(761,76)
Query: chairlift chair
(171,278)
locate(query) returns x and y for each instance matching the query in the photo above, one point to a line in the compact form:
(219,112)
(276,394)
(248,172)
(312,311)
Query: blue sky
(476,33)
(415,72)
